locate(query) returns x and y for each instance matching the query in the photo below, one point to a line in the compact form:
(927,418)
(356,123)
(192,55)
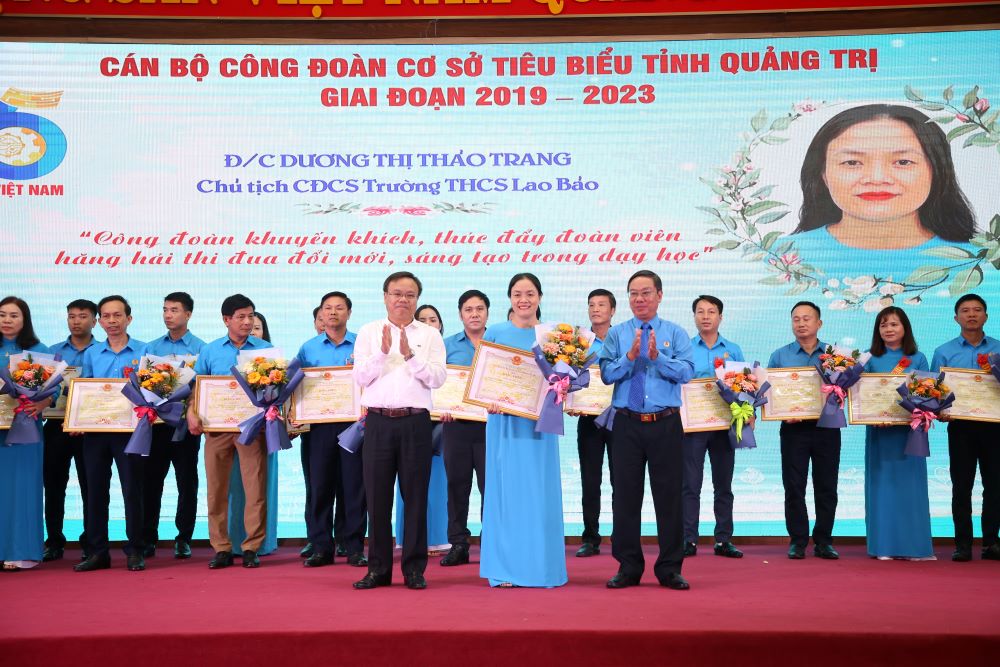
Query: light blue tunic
(522,541)
(897,509)
(21,529)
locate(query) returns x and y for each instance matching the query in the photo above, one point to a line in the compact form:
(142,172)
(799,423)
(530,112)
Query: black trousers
(723,461)
(971,443)
(100,450)
(60,449)
(335,473)
(184,456)
(397,446)
(801,443)
(658,445)
(591,441)
(464,453)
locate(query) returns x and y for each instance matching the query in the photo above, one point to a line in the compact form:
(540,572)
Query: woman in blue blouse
(21,533)
(897,510)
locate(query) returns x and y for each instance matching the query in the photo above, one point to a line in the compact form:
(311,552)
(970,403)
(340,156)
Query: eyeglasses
(402,296)
(645,294)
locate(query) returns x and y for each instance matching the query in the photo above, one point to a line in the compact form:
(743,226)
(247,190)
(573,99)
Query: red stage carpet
(763,609)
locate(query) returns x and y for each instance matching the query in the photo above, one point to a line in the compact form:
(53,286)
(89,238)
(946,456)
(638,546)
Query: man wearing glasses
(398,361)
(647,359)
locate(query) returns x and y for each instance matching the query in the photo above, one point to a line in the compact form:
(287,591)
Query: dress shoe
(962,554)
(826,552)
(622,580)
(220,560)
(250,558)
(690,549)
(182,549)
(372,580)
(416,581)
(99,562)
(307,550)
(727,549)
(676,582)
(341,550)
(796,552)
(357,560)
(136,563)
(992,552)
(149,551)
(318,560)
(586,550)
(52,553)
(457,555)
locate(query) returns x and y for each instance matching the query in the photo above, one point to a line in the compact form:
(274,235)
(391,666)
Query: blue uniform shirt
(793,356)
(705,356)
(672,367)
(960,353)
(219,356)
(71,355)
(459,349)
(321,351)
(165,346)
(100,361)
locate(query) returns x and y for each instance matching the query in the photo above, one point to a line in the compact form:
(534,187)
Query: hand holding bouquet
(31,377)
(157,389)
(925,395)
(268,381)
(840,369)
(562,352)
(743,387)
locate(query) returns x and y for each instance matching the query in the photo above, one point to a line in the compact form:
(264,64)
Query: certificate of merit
(702,409)
(874,400)
(450,397)
(326,394)
(795,393)
(221,403)
(97,405)
(977,395)
(508,378)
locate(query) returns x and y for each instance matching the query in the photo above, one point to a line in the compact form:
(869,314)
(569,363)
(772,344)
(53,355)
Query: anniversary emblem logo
(31,145)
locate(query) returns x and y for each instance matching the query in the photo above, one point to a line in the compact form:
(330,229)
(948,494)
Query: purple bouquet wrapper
(275,432)
(169,408)
(25,430)
(550,420)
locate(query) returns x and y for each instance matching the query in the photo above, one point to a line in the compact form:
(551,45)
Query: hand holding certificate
(977,394)
(591,400)
(874,401)
(702,409)
(507,378)
(327,394)
(449,398)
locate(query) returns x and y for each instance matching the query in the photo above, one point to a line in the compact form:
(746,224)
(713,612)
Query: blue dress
(238,501)
(523,537)
(22,533)
(897,510)
(437,502)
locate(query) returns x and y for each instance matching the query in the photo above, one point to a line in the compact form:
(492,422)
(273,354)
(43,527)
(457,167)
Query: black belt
(647,416)
(394,413)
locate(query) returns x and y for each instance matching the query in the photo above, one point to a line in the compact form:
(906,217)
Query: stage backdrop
(284,172)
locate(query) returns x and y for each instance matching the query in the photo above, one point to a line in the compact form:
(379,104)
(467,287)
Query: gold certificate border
(771,372)
(69,423)
(476,369)
(595,374)
(460,415)
(297,396)
(201,380)
(51,412)
(969,371)
(684,418)
(855,390)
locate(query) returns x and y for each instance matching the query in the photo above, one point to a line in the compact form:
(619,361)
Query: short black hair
(646,273)
(236,302)
(341,295)
(316,311)
(402,275)
(812,305)
(114,297)
(183,298)
(471,294)
(603,292)
(714,300)
(83,304)
(970,297)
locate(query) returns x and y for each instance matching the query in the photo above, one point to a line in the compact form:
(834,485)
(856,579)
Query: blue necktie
(637,387)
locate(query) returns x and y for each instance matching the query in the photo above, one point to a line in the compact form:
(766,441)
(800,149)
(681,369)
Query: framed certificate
(58,409)
(702,409)
(7,405)
(977,395)
(96,405)
(327,394)
(221,403)
(507,377)
(592,400)
(794,394)
(874,400)
(450,397)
